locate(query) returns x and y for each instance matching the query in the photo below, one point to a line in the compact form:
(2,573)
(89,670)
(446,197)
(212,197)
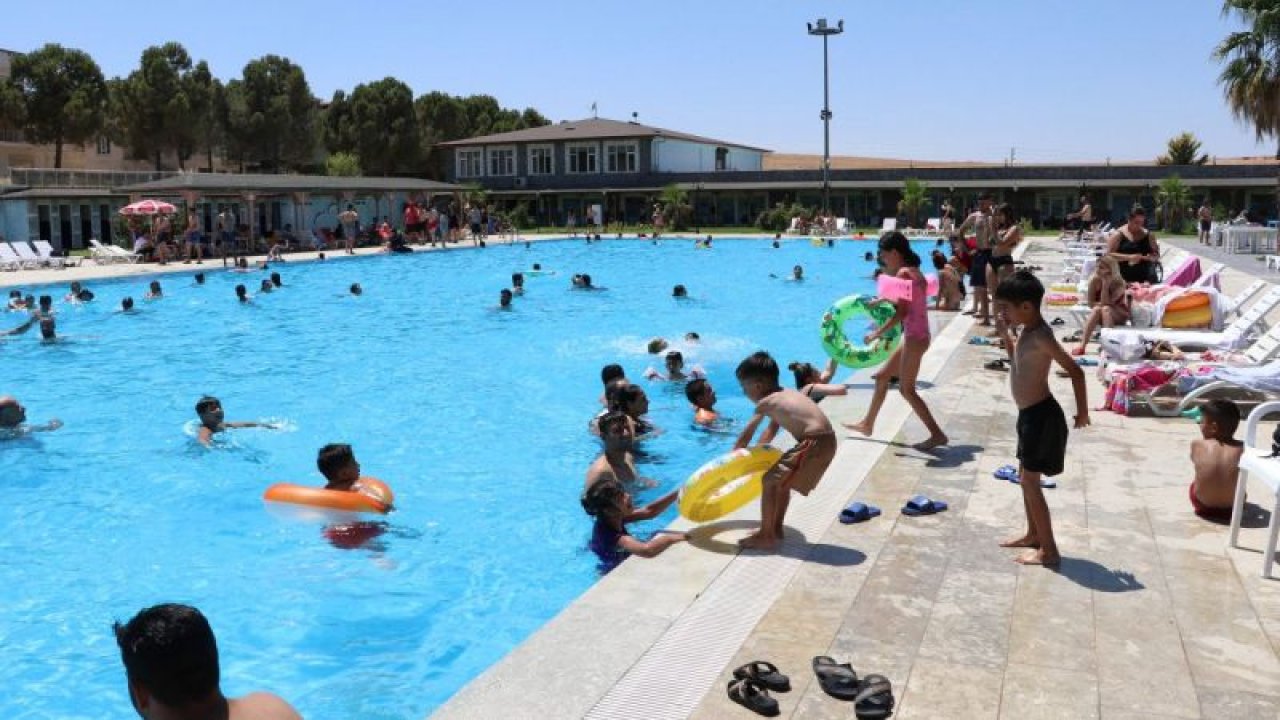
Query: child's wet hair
(603,497)
(1020,287)
(695,390)
(333,457)
(205,403)
(939,260)
(1223,413)
(675,355)
(758,366)
(802,371)
(611,419)
(241,290)
(517,279)
(898,243)
(126,304)
(621,394)
(679,291)
(611,372)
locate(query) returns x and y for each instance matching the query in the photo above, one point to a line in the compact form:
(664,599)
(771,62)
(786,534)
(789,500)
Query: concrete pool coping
(649,639)
(90,270)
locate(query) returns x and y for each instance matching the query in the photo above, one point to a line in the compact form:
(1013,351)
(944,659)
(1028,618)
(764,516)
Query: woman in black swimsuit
(1135,249)
(814,383)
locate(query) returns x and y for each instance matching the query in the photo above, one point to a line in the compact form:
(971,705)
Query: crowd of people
(169,652)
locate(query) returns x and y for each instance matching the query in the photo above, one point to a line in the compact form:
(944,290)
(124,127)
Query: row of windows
(578,159)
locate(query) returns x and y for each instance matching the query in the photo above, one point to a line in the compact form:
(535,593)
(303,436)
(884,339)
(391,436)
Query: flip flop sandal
(1086,361)
(1008,473)
(836,679)
(858,512)
(765,673)
(979,340)
(875,698)
(921,505)
(999,364)
(1072,338)
(1044,482)
(1057,321)
(751,695)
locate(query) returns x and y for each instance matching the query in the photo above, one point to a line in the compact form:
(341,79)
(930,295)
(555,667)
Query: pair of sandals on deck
(872,696)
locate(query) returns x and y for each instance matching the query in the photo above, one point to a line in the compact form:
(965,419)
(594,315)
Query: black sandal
(765,673)
(837,679)
(875,698)
(751,695)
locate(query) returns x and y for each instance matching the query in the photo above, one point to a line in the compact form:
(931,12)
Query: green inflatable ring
(838,346)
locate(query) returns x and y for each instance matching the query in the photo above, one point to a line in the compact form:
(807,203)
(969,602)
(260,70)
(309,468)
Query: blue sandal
(921,505)
(1008,473)
(858,512)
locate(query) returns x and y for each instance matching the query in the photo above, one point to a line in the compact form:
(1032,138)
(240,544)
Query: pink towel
(1185,274)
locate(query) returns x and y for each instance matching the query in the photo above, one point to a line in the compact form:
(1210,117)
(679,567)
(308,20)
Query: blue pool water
(476,418)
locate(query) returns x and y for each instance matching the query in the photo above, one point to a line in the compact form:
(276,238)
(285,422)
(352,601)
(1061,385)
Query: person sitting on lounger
(1216,457)
(1108,300)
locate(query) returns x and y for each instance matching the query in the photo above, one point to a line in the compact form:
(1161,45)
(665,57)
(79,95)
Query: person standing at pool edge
(901,262)
(982,224)
(170,658)
(350,220)
(799,468)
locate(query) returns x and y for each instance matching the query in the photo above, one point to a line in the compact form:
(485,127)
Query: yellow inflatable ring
(726,483)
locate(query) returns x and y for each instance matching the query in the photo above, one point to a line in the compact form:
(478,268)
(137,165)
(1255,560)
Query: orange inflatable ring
(370,495)
(1189,310)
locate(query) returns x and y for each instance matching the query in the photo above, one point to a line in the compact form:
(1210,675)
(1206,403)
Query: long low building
(561,169)
(68,207)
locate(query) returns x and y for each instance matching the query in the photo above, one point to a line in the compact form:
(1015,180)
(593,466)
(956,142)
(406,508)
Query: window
(502,161)
(621,157)
(541,160)
(104,146)
(722,158)
(582,158)
(470,163)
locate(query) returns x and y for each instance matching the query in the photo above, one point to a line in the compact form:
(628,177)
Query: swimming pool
(476,417)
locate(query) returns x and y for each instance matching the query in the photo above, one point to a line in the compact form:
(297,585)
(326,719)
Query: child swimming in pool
(608,374)
(242,293)
(816,384)
(799,468)
(616,462)
(341,471)
(611,505)
(154,292)
(675,369)
(703,397)
(209,410)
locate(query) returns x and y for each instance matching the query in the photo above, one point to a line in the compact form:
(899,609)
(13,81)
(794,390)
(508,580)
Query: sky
(1045,80)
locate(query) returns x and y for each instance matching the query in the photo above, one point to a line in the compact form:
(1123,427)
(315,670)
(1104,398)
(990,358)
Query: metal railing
(49,177)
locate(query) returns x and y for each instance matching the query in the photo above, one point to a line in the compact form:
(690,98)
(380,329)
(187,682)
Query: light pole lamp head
(820,27)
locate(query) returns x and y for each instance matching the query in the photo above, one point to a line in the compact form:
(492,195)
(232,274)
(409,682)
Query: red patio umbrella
(148,207)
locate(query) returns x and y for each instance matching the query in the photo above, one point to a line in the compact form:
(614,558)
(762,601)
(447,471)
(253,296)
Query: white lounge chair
(795,229)
(104,254)
(45,251)
(932,226)
(1256,462)
(1208,276)
(29,258)
(842,226)
(1231,337)
(10,259)
(890,224)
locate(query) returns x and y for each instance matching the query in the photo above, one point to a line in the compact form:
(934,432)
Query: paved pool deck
(1150,615)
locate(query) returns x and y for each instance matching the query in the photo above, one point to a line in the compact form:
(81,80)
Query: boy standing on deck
(1042,426)
(799,468)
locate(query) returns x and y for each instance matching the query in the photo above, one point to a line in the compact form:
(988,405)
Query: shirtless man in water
(1042,426)
(209,409)
(616,462)
(13,419)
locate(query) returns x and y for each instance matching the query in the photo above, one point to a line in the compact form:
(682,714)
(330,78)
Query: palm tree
(1183,149)
(675,206)
(1250,78)
(915,196)
(1174,199)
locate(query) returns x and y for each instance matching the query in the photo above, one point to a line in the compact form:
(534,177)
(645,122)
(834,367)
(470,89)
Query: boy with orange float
(341,472)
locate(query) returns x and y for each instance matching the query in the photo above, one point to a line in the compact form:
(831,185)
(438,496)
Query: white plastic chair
(28,256)
(1254,461)
(890,224)
(9,259)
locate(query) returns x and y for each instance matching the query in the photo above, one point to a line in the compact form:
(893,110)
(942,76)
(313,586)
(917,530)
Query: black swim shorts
(999,261)
(978,268)
(1042,437)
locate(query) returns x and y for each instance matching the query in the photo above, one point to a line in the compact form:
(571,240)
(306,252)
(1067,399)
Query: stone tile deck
(1150,615)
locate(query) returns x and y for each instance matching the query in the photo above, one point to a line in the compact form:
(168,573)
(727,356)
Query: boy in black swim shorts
(1042,426)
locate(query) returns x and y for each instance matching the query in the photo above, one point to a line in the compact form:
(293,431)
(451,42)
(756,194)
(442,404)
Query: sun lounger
(842,226)
(1256,463)
(795,228)
(890,224)
(1233,336)
(45,251)
(10,259)
(1254,378)
(105,254)
(29,258)
(932,226)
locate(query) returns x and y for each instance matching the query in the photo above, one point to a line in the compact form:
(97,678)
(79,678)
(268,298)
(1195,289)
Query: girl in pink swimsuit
(901,261)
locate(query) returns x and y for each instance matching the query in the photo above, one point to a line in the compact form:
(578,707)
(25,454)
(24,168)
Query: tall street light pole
(821,28)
